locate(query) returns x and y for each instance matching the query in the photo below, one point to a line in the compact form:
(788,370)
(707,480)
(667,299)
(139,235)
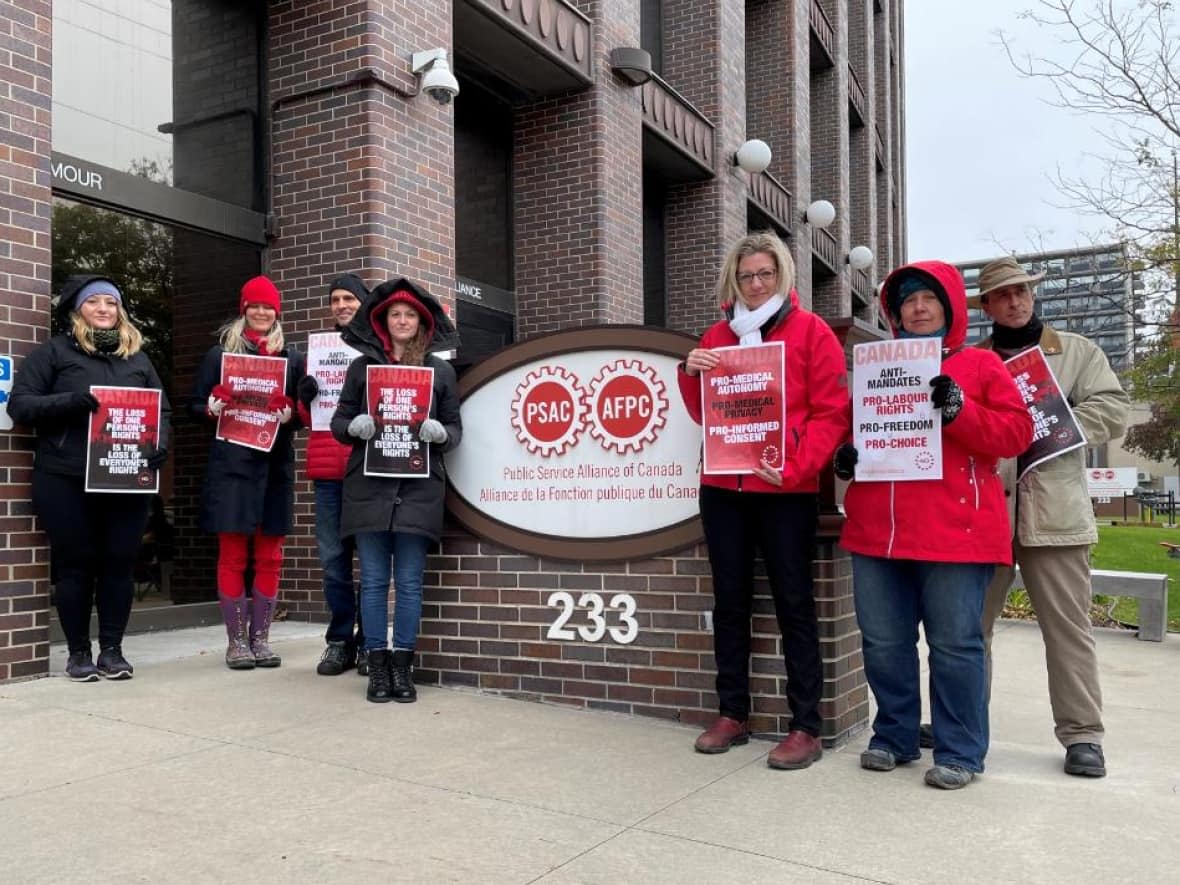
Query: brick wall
(578,194)
(25,201)
(704,61)
(485,618)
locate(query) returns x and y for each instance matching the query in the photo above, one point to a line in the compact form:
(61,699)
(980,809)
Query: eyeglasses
(766,277)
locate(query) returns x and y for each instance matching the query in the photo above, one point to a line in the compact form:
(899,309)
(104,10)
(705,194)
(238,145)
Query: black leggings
(738,526)
(94,540)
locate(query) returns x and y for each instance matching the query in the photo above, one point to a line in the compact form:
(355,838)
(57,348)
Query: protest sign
(399,401)
(743,409)
(253,380)
(1055,429)
(328,359)
(895,428)
(124,431)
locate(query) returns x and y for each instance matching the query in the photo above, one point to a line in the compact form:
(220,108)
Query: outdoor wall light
(434,73)
(632,64)
(821,213)
(861,257)
(753,156)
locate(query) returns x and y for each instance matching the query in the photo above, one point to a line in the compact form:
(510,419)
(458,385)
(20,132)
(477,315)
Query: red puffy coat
(326,458)
(818,408)
(963,516)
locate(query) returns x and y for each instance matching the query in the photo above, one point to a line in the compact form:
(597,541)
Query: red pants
(232,559)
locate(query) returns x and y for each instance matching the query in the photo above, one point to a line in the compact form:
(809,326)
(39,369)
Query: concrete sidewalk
(193,773)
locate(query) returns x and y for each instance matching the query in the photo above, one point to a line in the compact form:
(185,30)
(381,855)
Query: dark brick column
(362,180)
(25,204)
(578,194)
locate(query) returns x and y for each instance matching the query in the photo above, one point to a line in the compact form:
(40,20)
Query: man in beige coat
(1053,521)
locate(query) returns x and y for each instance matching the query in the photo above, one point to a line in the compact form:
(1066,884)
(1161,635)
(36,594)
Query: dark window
(651,32)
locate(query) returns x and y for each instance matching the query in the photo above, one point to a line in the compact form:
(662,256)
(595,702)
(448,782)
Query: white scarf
(747,324)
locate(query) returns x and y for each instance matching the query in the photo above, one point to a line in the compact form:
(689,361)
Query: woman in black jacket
(249,494)
(93,537)
(395,518)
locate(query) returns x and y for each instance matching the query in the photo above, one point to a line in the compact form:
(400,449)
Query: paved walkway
(192,773)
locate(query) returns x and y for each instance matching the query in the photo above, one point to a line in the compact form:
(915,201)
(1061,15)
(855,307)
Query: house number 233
(623,603)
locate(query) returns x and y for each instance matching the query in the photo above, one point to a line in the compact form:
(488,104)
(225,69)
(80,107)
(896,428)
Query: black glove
(844,463)
(307,390)
(945,394)
(82,402)
(156,459)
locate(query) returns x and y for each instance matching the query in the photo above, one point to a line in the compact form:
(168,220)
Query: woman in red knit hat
(248,494)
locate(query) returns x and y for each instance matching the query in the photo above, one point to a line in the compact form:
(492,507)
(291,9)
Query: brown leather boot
(723,734)
(798,750)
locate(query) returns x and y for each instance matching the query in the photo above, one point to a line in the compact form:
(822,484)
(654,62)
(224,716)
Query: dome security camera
(437,81)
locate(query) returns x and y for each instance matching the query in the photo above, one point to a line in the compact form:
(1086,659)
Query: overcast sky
(982,144)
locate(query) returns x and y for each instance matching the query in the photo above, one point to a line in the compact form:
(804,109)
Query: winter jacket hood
(69,291)
(366,333)
(944,279)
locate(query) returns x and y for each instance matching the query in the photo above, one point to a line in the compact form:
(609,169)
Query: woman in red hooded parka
(924,552)
(769,511)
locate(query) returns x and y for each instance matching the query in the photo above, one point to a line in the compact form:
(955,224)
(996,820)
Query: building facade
(185,145)
(1093,292)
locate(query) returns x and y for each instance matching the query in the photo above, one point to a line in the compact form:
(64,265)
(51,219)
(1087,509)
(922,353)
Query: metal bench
(1150,588)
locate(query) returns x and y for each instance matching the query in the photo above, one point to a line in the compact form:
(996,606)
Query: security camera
(437,81)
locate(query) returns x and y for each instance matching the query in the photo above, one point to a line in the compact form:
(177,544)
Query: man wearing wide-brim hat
(1053,522)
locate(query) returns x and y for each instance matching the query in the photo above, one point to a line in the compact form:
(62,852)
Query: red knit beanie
(259,290)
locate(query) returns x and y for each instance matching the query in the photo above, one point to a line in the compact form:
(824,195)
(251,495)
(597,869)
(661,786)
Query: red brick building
(219,139)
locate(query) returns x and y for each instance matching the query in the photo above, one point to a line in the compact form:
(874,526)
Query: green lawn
(1136,549)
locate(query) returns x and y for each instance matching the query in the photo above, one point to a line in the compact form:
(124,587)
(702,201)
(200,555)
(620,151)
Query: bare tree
(1119,62)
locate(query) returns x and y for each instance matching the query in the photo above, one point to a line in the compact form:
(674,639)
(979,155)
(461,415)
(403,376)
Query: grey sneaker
(949,777)
(80,667)
(112,664)
(878,759)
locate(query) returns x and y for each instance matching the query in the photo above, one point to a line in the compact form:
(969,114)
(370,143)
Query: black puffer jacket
(245,488)
(52,374)
(374,503)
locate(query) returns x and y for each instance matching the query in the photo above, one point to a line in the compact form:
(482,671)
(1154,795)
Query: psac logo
(624,407)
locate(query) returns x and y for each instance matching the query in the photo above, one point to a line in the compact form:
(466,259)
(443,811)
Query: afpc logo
(624,407)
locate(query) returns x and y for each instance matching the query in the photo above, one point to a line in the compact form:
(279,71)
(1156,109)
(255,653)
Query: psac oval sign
(577,446)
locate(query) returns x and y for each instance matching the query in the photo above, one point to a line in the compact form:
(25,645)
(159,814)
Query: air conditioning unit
(1143,477)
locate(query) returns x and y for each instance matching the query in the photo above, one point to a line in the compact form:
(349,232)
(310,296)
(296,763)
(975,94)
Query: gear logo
(923,461)
(549,411)
(263,437)
(628,406)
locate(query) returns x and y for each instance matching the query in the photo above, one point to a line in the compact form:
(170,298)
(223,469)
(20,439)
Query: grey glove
(362,427)
(432,431)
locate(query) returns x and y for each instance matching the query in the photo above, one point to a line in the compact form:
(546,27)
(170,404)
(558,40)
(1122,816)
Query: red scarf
(257,339)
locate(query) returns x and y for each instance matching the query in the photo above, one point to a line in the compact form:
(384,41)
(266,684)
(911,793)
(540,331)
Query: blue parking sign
(5,388)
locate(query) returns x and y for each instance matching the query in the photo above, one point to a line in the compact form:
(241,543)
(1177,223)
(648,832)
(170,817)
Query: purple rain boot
(233,611)
(262,609)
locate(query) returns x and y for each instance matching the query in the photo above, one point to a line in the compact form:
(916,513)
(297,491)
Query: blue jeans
(408,552)
(336,562)
(892,597)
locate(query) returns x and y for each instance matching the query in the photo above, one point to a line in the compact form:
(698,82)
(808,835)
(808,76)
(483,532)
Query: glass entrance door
(179,286)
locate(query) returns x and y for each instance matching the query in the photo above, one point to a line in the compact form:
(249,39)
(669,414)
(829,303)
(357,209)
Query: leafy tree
(1155,379)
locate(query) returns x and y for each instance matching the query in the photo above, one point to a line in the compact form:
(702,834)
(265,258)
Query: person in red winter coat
(326,462)
(924,551)
(771,511)
(248,495)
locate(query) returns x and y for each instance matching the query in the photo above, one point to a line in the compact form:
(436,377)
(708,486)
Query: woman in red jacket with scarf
(769,510)
(925,551)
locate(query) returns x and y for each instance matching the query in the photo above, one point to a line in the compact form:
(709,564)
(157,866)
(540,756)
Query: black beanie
(351,283)
(906,284)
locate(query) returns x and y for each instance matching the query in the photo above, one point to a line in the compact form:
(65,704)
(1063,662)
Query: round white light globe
(821,213)
(753,156)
